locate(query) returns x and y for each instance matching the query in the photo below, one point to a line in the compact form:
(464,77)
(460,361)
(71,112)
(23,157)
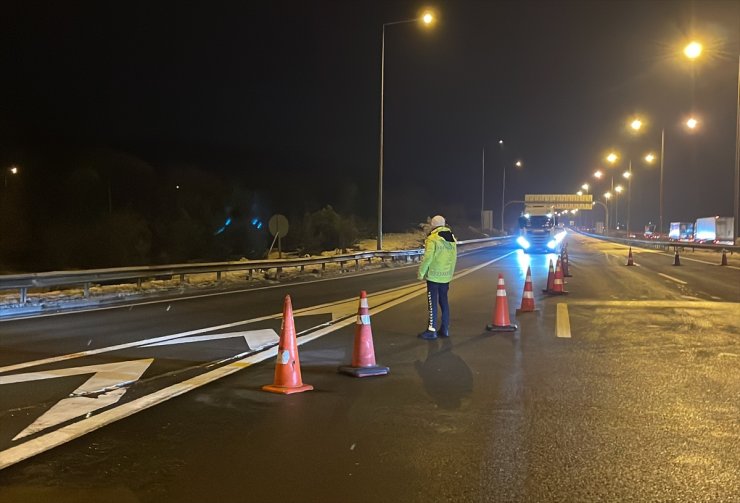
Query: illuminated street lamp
(580,192)
(691,123)
(13,170)
(693,50)
(636,124)
(612,157)
(517,164)
(649,158)
(585,187)
(598,174)
(427,18)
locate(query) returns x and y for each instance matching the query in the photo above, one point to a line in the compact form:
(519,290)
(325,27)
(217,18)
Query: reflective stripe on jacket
(440,256)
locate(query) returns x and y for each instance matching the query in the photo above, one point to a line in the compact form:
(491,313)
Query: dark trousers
(437,294)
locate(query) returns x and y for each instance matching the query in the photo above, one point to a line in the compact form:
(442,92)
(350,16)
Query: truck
(681,231)
(538,229)
(717,230)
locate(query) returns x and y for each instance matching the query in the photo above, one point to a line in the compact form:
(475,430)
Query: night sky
(284,96)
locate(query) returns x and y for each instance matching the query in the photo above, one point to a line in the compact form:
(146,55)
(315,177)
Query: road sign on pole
(278,227)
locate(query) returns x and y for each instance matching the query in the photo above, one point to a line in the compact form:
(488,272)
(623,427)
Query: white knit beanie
(438,221)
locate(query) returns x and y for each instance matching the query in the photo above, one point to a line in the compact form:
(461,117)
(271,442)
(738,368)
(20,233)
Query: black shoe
(428,335)
(443,333)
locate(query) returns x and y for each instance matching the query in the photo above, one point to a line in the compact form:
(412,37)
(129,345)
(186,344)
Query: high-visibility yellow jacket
(440,256)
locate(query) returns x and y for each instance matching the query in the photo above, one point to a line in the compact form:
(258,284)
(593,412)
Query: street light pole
(482,188)
(427,18)
(737,156)
(503,184)
(662,160)
(629,199)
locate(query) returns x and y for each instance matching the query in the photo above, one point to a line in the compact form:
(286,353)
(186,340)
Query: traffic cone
(550,278)
(288,366)
(501,322)
(676,259)
(566,263)
(724,257)
(558,287)
(528,295)
(363,355)
(630,260)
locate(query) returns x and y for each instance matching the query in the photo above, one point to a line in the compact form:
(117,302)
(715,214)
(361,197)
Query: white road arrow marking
(106,381)
(256,339)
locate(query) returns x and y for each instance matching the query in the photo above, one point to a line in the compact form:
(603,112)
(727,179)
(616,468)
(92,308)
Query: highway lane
(640,403)
(59,334)
(698,277)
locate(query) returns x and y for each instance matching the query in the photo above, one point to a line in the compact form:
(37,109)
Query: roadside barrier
(288,365)
(630,260)
(528,295)
(501,322)
(363,354)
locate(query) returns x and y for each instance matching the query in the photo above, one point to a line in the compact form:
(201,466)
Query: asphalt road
(640,403)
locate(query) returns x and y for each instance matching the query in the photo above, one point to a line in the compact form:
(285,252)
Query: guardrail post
(251,274)
(357,264)
(218,276)
(24,296)
(87,290)
(323,268)
(278,270)
(182,278)
(341,266)
(138,283)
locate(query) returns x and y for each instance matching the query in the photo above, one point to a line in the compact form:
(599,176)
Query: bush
(327,230)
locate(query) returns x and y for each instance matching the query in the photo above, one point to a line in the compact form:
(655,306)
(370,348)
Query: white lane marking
(106,381)
(732,355)
(563,321)
(672,278)
(75,430)
(233,292)
(679,304)
(255,339)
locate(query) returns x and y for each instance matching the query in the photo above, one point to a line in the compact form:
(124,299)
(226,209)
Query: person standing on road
(438,267)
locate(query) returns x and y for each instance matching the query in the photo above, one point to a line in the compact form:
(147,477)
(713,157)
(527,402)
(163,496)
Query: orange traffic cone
(558,287)
(566,263)
(676,259)
(724,257)
(528,295)
(630,260)
(363,355)
(550,278)
(501,321)
(288,366)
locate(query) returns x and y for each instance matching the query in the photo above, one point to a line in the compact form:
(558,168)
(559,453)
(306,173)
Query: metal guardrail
(45,280)
(667,245)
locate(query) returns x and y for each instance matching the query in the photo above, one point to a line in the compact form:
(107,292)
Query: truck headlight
(552,244)
(560,236)
(521,241)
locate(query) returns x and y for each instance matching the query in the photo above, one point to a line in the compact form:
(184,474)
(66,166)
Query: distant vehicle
(681,231)
(649,232)
(538,229)
(717,230)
